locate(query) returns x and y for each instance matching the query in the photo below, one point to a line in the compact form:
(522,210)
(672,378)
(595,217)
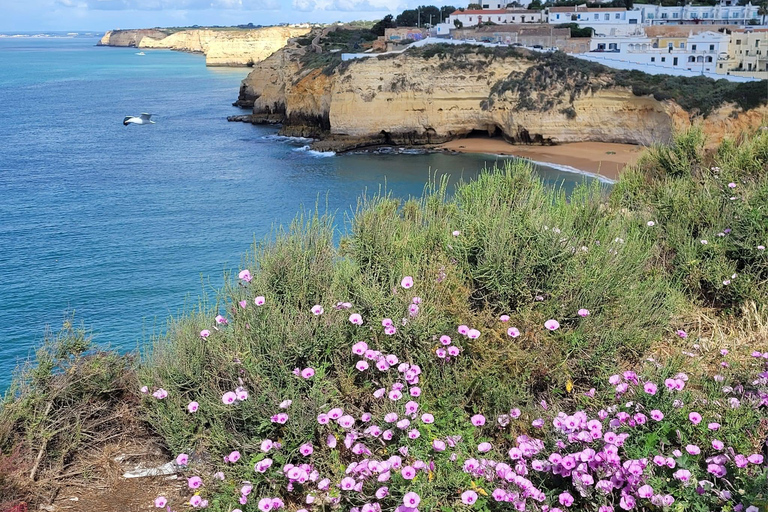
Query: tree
(535,5)
(408,18)
(474,6)
(458,24)
(446,11)
(382,25)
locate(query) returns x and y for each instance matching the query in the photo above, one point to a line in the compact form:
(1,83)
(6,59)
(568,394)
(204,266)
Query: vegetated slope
(488,323)
(439,92)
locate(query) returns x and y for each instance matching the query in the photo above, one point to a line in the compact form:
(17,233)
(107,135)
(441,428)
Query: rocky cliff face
(421,99)
(221,47)
(129,37)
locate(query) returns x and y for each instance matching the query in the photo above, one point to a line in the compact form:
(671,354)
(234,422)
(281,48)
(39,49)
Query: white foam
(285,138)
(310,151)
(564,168)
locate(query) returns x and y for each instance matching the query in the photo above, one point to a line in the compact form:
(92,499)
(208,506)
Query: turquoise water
(122,225)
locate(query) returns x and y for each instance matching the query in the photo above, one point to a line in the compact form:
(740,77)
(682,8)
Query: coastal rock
(130,38)
(417,99)
(227,47)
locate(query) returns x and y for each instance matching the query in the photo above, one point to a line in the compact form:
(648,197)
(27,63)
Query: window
(601,46)
(499,18)
(709,58)
(653,59)
(706,15)
(663,59)
(597,16)
(618,16)
(693,47)
(470,18)
(675,15)
(711,47)
(663,15)
(574,17)
(682,46)
(613,46)
(650,16)
(691,59)
(674,61)
(558,16)
(633,21)
(738,41)
(757,44)
(607,17)
(669,45)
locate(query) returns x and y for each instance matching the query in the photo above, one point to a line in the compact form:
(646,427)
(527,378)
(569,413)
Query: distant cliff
(435,94)
(222,47)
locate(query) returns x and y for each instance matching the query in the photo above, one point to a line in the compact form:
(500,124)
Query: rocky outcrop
(428,99)
(222,47)
(130,38)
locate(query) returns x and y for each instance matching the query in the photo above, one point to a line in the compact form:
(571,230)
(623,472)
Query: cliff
(234,47)
(427,97)
(130,38)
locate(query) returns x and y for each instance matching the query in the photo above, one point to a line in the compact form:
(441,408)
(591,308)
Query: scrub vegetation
(500,346)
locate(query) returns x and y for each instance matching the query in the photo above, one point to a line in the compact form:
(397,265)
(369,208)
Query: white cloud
(304,5)
(170,5)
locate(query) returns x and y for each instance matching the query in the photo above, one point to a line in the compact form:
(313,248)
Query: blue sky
(101,15)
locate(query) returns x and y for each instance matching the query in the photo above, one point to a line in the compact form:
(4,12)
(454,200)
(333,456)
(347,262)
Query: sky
(102,15)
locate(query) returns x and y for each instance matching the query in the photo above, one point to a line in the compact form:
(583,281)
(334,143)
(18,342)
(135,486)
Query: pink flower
(755,458)
(160,394)
(463,330)
(317,309)
(478,420)
(583,313)
(713,426)
(682,474)
(306,449)
(504,318)
(262,466)
(144,389)
(307,373)
(361,365)
(657,415)
(194,482)
(456,233)
(232,457)
(259,301)
(513,332)
(245,275)
(552,325)
(193,406)
(453,351)
(650,388)
(682,333)
(330,441)
(565,499)
(205,333)
(695,418)
(438,445)
(356,319)
(408,472)
(731,185)
(411,500)
(473,334)
(484,447)
(395,395)
(265,504)
(692,449)
(243,303)
(241,394)
(160,502)
(195,501)
(468,497)
(427,418)
(446,340)
(407,282)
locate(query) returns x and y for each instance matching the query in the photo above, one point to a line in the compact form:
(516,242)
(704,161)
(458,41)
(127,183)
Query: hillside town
(727,39)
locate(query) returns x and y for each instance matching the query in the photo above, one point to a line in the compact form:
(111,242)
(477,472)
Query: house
(605,20)
(725,12)
(700,52)
(747,54)
(475,17)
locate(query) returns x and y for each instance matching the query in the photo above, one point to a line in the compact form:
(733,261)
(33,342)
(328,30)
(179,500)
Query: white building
(726,12)
(605,21)
(696,53)
(474,17)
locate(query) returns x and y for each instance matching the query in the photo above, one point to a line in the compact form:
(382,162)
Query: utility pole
(418,23)
(430,20)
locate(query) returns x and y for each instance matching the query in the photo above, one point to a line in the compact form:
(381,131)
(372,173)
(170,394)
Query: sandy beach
(603,158)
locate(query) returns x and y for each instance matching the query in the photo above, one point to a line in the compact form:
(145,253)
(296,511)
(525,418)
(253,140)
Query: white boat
(141,53)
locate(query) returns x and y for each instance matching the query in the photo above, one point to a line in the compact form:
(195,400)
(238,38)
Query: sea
(122,227)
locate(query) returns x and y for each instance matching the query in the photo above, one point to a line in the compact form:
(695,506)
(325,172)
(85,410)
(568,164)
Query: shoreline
(600,159)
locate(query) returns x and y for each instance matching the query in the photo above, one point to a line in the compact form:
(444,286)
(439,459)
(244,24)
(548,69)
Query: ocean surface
(125,226)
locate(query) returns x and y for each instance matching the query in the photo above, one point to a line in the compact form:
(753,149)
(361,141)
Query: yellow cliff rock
(227,47)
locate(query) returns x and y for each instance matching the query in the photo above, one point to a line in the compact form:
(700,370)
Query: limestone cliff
(426,98)
(130,38)
(222,47)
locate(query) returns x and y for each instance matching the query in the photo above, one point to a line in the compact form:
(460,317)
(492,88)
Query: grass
(520,249)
